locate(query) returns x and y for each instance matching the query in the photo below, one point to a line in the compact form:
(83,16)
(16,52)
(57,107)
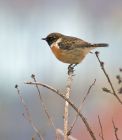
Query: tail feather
(100,45)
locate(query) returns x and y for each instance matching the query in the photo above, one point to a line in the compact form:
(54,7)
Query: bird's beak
(43,38)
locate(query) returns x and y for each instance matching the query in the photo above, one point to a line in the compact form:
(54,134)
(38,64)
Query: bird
(69,49)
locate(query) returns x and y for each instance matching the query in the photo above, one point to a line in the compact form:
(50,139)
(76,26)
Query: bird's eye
(52,37)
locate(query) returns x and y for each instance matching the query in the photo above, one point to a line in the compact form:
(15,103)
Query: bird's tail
(100,45)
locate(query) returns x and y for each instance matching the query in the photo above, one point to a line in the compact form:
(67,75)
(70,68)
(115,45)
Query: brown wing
(69,43)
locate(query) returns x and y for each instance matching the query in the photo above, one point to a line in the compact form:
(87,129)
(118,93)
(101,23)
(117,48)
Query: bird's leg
(71,68)
(74,65)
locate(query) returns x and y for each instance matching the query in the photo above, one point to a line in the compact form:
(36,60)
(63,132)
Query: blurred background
(22,52)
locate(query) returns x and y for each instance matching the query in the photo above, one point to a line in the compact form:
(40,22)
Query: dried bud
(68,133)
(116,129)
(16,86)
(120,69)
(97,53)
(33,138)
(120,90)
(102,64)
(32,76)
(106,90)
(119,79)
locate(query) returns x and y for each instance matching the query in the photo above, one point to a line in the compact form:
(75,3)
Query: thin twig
(115,130)
(43,104)
(29,118)
(79,108)
(89,90)
(101,129)
(70,102)
(43,85)
(109,81)
(119,78)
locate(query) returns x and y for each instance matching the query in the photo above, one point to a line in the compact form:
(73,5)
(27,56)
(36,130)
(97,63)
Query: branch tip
(97,53)
(33,76)
(16,86)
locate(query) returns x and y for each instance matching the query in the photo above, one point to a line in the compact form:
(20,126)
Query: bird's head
(52,37)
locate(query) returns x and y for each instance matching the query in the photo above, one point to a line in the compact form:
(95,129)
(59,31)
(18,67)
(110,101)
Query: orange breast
(68,56)
(56,51)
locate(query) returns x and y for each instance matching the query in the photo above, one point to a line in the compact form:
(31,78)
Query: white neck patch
(56,43)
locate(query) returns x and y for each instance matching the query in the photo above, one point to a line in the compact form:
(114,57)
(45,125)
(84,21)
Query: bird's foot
(71,68)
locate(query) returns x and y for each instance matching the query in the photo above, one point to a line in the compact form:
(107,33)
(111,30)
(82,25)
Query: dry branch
(108,78)
(115,130)
(79,108)
(29,118)
(89,90)
(101,128)
(70,102)
(43,104)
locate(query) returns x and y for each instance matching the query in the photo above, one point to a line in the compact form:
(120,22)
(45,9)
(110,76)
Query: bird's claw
(71,68)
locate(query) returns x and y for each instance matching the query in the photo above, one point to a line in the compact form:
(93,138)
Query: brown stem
(101,128)
(71,104)
(79,108)
(115,130)
(43,104)
(109,81)
(29,118)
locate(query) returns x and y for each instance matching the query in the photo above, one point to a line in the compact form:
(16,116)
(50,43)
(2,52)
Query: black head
(51,38)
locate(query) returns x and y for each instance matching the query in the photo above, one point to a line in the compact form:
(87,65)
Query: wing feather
(70,43)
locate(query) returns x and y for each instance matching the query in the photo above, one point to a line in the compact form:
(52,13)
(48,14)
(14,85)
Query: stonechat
(70,49)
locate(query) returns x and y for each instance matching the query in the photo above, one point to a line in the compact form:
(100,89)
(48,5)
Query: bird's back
(69,43)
